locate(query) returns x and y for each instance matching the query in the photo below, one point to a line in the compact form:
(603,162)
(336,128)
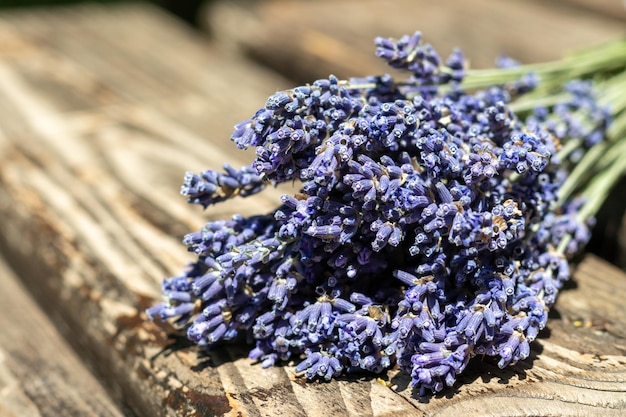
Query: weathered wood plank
(310,40)
(120,150)
(40,375)
(91,221)
(614,9)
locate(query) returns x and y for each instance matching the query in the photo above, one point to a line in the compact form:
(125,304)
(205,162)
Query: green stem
(582,169)
(527,103)
(611,94)
(605,58)
(600,186)
(597,190)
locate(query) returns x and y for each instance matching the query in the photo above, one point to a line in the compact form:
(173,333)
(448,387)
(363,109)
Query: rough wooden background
(102,110)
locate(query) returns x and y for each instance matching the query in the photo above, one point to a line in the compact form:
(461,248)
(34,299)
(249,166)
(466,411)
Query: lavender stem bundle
(435,221)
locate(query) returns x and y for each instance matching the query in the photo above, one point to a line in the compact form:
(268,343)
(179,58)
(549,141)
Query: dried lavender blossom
(427,229)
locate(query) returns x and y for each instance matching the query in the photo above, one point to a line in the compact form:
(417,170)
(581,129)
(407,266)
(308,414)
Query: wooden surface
(99,120)
(40,375)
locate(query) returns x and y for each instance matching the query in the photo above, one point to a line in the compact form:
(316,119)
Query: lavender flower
(211,187)
(427,229)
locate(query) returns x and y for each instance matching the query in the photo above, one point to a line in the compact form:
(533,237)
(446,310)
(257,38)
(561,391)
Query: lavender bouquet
(435,221)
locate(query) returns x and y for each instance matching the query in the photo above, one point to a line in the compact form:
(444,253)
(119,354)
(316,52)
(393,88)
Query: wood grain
(98,122)
(40,375)
(611,9)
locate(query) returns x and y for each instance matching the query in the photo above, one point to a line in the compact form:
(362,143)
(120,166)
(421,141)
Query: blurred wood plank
(91,119)
(614,9)
(99,119)
(40,374)
(310,40)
